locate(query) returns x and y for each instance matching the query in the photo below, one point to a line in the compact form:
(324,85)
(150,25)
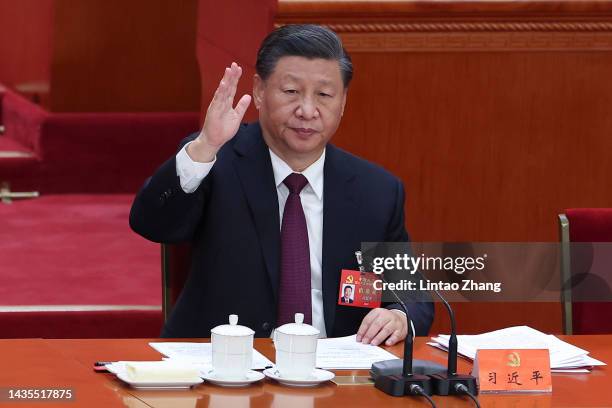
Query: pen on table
(100,366)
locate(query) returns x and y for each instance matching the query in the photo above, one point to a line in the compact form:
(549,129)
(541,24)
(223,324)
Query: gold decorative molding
(480,26)
(474,36)
(491,41)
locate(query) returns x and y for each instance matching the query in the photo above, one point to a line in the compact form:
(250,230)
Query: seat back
(584,225)
(175,266)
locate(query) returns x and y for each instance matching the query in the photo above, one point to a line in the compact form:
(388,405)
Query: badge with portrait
(357,289)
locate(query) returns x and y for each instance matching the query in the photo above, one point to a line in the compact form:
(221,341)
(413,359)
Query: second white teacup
(232,349)
(296,349)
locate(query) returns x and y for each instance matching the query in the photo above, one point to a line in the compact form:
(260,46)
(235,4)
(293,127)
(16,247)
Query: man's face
(300,106)
(347,292)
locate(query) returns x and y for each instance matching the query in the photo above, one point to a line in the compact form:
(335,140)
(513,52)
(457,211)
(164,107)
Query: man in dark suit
(273,210)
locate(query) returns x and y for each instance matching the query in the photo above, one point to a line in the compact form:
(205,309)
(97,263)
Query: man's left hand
(381,324)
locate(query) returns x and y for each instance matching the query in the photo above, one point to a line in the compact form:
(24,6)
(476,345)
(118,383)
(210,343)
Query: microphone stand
(452,383)
(407,383)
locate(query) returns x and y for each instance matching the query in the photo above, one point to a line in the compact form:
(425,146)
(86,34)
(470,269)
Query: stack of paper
(564,357)
(201,354)
(345,353)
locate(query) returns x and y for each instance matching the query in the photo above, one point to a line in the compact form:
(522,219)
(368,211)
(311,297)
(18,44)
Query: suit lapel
(339,214)
(254,169)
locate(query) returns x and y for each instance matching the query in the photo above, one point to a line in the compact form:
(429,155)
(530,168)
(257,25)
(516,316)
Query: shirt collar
(313,173)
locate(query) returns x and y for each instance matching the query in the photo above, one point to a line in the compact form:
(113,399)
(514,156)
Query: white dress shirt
(191,174)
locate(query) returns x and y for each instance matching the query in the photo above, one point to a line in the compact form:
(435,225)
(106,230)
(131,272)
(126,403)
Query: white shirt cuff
(190,172)
(411,324)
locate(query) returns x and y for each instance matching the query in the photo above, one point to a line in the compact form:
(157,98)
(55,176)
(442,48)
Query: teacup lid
(298,328)
(233,328)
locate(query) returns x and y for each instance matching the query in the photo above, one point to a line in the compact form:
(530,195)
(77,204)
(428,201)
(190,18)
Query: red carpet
(57,251)
(75,250)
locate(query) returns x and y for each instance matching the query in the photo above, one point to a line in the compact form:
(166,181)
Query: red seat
(15,161)
(176,263)
(587,225)
(19,158)
(85,152)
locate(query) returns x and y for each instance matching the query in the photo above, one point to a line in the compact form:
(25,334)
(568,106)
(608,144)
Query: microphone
(440,382)
(406,383)
(451,383)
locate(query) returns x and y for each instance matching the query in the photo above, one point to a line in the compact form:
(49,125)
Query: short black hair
(303,40)
(348,287)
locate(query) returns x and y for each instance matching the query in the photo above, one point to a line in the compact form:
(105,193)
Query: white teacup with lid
(232,349)
(296,349)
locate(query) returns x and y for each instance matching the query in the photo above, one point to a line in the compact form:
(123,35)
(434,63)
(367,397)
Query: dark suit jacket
(343,300)
(233,222)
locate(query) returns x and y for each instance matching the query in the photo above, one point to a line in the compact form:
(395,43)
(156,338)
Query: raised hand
(222,119)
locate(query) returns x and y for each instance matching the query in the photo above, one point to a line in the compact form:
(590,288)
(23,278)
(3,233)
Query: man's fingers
(375,327)
(365,323)
(225,85)
(223,98)
(363,327)
(373,330)
(395,337)
(242,106)
(383,333)
(381,324)
(222,92)
(235,73)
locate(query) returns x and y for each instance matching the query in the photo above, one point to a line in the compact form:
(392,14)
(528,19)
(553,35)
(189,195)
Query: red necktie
(294,289)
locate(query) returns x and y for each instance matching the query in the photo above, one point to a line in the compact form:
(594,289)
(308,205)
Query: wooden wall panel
(495,114)
(25,44)
(231,31)
(133,56)
(491,146)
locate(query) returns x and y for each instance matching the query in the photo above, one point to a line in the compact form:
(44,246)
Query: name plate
(513,370)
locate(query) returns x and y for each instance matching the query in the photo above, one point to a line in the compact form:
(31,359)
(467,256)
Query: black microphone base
(397,385)
(396,367)
(443,384)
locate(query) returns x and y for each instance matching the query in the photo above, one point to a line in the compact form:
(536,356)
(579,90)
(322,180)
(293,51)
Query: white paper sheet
(201,353)
(344,353)
(563,356)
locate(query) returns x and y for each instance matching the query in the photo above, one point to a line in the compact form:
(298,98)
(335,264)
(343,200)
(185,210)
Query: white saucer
(115,368)
(160,385)
(251,377)
(318,376)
